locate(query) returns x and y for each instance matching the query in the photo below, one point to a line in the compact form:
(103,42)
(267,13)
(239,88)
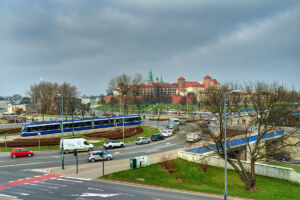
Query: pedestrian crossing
(42,185)
(56,186)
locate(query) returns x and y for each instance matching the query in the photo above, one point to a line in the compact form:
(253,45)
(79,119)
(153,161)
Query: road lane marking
(60,179)
(83,179)
(25,164)
(95,189)
(97,195)
(8,196)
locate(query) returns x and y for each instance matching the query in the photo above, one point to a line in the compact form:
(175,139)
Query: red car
(20,152)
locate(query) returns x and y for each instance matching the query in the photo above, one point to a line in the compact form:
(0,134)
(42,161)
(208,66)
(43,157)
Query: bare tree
(268,106)
(45,94)
(126,86)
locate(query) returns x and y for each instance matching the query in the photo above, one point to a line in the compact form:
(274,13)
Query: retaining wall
(260,169)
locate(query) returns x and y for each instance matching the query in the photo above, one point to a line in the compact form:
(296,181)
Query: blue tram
(80,124)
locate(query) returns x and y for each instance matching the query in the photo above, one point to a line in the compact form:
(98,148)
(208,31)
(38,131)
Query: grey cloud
(95,40)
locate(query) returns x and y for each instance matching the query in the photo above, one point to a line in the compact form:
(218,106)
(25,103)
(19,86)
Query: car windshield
(138,139)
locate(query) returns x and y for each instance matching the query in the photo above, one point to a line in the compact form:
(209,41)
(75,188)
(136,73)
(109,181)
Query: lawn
(189,176)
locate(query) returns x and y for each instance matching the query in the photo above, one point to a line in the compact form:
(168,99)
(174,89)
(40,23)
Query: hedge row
(29,144)
(37,139)
(10,130)
(128,133)
(104,134)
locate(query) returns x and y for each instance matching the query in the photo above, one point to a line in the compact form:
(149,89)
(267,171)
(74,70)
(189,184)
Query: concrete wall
(261,169)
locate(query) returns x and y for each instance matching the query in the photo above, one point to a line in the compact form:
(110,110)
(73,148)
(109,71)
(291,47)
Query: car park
(21,152)
(112,144)
(99,155)
(167,133)
(157,137)
(142,140)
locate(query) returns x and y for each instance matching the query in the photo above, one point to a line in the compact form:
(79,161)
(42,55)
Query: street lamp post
(62,131)
(39,141)
(15,117)
(225,149)
(72,119)
(123,114)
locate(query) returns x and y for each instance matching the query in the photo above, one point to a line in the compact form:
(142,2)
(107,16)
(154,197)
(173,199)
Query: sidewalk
(94,170)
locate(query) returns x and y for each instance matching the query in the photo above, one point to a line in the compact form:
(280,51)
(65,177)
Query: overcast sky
(86,43)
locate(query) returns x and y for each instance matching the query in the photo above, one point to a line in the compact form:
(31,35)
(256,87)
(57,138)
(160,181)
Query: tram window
(34,129)
(97,122)
(56,126)
(68,125)
(88,123)
(46,127)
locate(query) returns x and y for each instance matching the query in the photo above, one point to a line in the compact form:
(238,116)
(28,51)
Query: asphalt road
(13,171)
(50,187)
(18,181)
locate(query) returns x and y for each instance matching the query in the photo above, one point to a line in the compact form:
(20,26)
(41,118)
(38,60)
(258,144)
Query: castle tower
(157,80)
(161,80)
(150,78)
(207,82)
(181,84)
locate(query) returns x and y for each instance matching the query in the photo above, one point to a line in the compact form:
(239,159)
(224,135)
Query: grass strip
(189,176)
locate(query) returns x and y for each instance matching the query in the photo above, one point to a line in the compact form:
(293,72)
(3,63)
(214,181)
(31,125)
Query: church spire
(161,80)
(150,77)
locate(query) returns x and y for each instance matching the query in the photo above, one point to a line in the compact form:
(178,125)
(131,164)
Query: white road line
(95,189)
(97,195)
(45,186)
(60,179)
(83,179)
(34,187)
(55,184)
(9,196)
(25,164)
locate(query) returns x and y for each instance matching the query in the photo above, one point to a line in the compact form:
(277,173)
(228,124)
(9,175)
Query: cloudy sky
(86,43)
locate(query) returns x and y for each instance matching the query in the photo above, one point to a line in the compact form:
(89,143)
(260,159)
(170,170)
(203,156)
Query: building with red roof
(181,88)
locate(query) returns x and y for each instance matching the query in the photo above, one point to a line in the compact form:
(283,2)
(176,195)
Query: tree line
(46,95)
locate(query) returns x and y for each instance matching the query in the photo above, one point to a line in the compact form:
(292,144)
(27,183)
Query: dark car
(157,137)
(21,152)
(206,122)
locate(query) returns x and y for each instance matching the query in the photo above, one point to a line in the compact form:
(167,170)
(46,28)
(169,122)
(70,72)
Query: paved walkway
(94,170)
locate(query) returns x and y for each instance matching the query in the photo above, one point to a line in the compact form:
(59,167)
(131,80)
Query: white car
(167,133)
(142,140)
(112,144)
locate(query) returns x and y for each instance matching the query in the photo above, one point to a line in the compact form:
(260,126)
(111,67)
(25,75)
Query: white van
(174,121)
(79,144)
(193,137)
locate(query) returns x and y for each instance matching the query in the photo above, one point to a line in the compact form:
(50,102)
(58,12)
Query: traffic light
(75,152)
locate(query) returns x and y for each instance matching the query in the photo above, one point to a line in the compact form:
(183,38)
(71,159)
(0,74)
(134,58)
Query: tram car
(80,124)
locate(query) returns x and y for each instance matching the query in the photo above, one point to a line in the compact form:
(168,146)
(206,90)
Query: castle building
(181,88)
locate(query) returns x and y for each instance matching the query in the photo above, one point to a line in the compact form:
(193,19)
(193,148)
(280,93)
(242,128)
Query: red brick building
(181,88)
